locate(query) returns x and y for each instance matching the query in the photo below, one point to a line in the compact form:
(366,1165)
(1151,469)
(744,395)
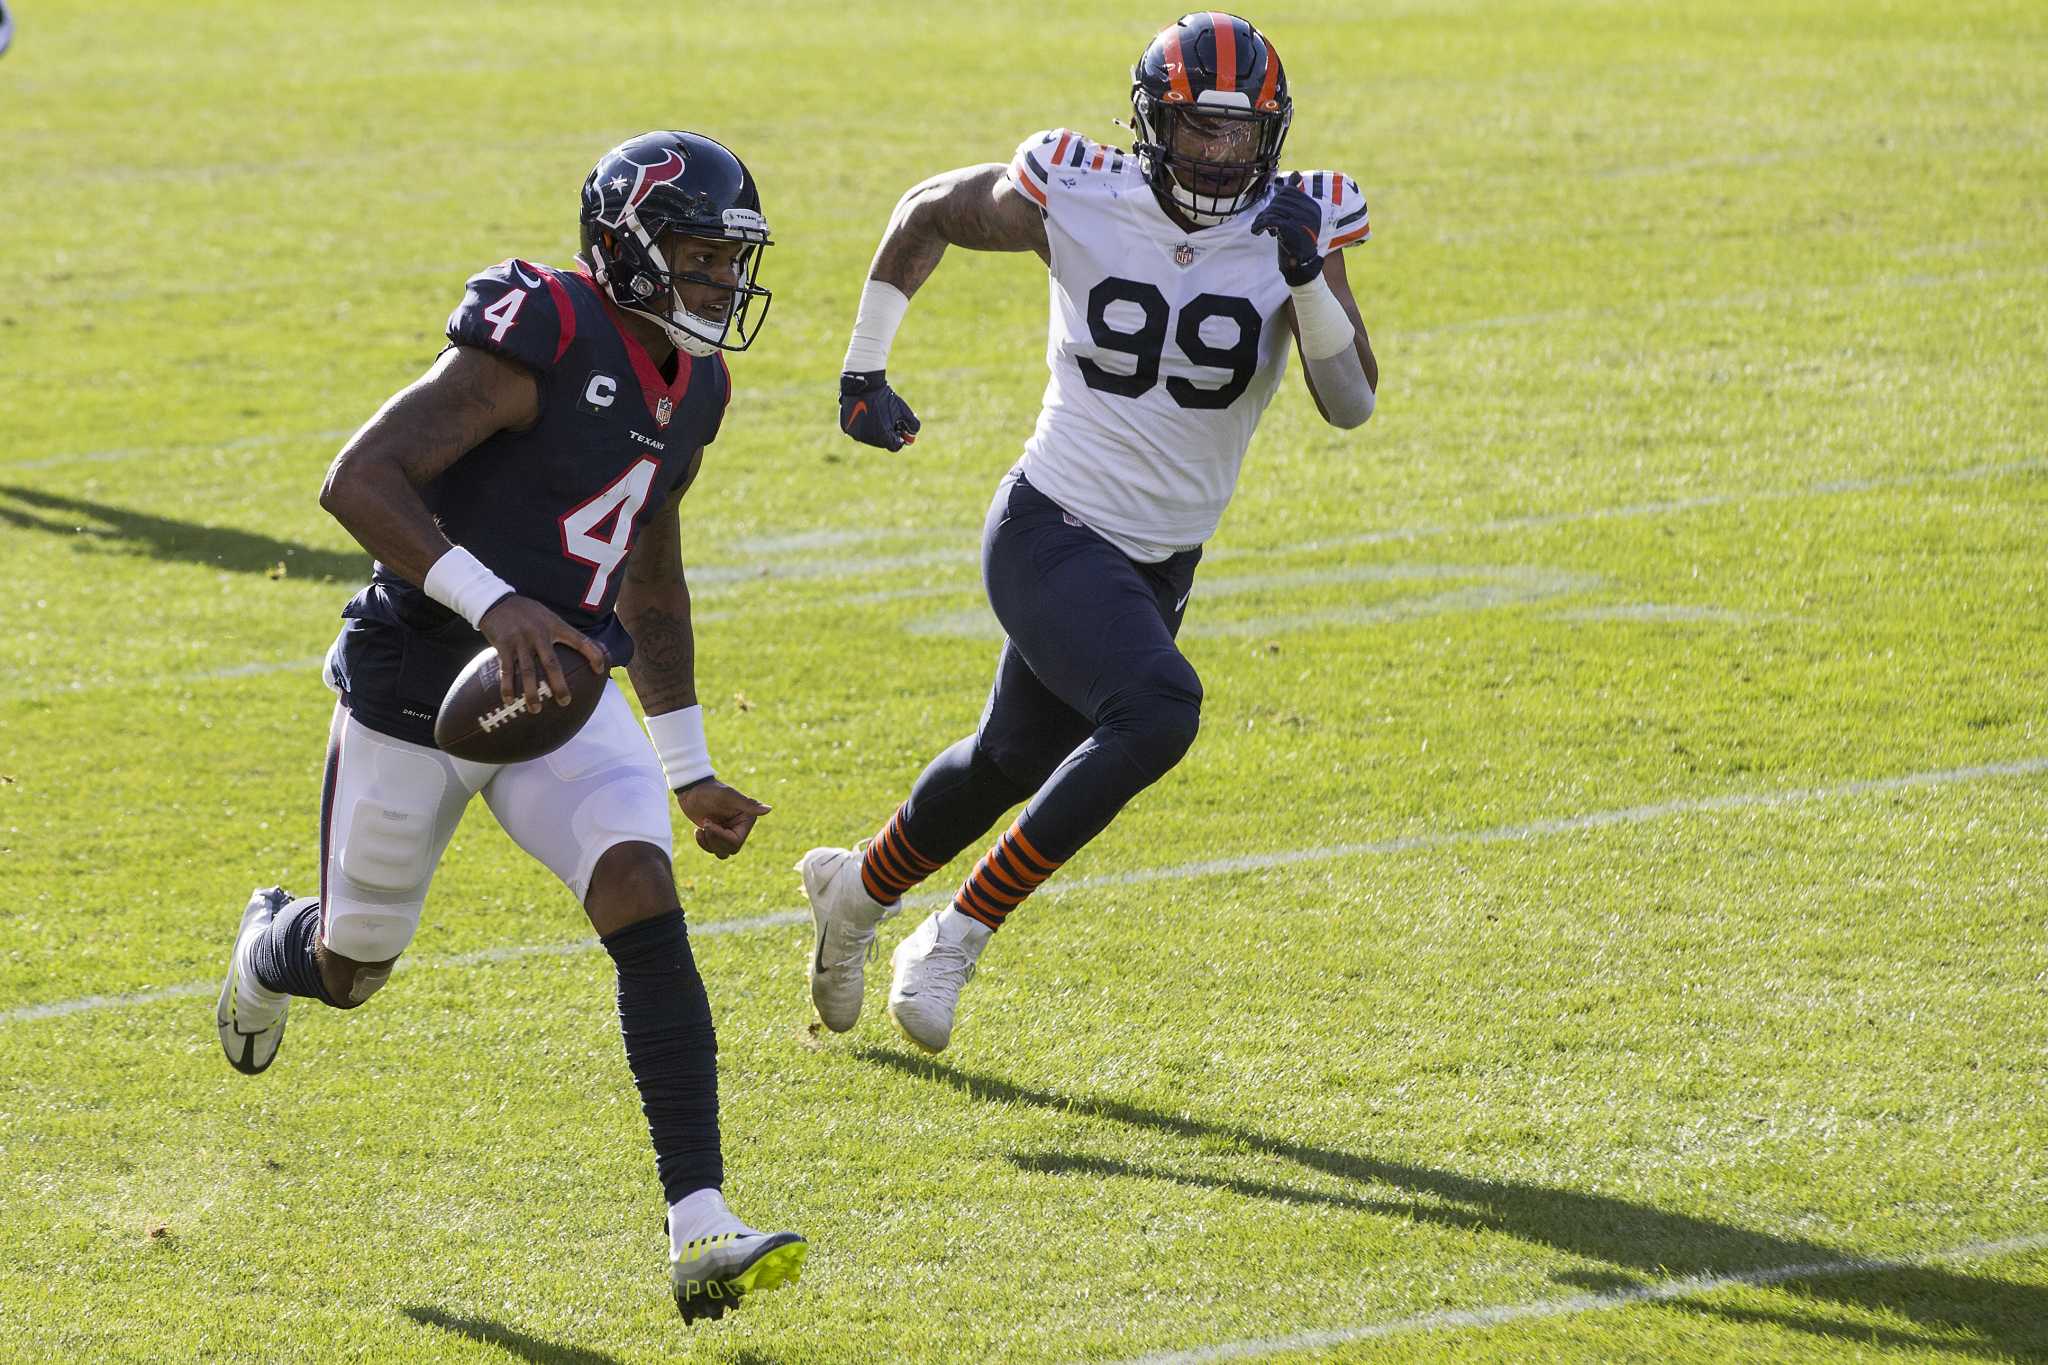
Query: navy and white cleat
(712,1274)
(249,1029)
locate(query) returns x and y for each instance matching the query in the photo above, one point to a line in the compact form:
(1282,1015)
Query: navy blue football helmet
(675,183)
(1213,81)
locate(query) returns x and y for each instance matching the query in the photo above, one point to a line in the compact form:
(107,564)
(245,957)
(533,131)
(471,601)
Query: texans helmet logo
(623,184)
(667,169)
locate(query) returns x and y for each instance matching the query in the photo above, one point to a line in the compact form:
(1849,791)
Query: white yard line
(508,953)
(1465,1319)
(1537,829)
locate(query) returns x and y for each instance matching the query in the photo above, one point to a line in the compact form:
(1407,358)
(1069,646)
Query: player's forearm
(1336,355)
(1344,393)
(910,251)
(664,666)
(972,207)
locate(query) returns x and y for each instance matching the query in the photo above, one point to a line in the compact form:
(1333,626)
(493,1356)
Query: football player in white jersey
(1179,271)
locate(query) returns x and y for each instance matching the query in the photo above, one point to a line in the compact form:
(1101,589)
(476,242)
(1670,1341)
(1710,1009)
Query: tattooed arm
(974,207)
(654,607)
(373,486)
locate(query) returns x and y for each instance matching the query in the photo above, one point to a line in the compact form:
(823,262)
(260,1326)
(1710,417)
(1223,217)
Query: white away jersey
(1165,346)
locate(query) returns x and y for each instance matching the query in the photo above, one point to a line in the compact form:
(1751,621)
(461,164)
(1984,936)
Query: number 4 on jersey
(621,502)
(503,312)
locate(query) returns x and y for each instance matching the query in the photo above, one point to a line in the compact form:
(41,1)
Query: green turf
(1707,484)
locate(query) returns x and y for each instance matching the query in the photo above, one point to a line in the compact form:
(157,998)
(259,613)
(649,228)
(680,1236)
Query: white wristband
(459,581)
(1324,325)
(679,740)
(882,306)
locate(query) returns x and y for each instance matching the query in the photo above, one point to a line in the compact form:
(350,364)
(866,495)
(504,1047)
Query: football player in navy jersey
(524,492)
(1185,273)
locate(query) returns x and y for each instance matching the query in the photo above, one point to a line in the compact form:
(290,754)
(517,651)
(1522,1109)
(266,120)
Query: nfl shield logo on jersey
(1183,255)
(663,410)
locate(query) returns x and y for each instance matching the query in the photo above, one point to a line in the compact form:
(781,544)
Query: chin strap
(681,337)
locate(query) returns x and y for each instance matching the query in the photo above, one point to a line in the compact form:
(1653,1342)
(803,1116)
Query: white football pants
(390,807)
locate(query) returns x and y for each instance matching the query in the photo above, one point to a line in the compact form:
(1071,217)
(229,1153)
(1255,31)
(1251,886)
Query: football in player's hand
(476,723)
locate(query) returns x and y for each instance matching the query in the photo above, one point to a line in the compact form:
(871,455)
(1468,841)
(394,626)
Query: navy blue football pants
(1093,702)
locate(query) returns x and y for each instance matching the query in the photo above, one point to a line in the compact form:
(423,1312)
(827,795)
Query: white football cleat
(251,1028)
(715,1260)
(843,918)
(931,966)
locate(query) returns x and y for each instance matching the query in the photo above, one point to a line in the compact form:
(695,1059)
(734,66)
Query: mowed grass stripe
(1215,867)
(1767,300)
(1691,1286)
(715,581)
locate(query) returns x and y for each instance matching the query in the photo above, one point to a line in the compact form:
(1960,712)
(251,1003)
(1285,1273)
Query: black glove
(1295,220)
(871,413)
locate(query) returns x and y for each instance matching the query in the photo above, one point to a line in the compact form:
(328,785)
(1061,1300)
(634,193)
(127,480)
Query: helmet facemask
(632,262)
(1238,151)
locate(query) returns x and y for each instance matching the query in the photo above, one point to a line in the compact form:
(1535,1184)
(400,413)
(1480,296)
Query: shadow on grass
(1103,1168)
(516,1342)
(1997,1319)
(122,530)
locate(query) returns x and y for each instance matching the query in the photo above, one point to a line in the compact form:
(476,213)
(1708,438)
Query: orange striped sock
(889,866)
(1002,879)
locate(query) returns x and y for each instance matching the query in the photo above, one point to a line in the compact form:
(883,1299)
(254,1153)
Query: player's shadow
(1104,1168)
(518,1343)
(122,530)
(2000,1318)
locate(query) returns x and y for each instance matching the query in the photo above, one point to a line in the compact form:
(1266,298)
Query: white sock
(702,1214)
(256,998)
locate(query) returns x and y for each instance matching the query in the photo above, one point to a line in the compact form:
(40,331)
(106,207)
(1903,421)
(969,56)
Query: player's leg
(1095,631)
(1024,733)
(596,812)
(387,809)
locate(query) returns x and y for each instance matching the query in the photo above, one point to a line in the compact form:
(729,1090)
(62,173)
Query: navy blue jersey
(553,509)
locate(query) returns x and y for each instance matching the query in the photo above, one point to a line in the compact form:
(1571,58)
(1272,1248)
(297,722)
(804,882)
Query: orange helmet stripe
(1226,50)
(1177,69)
(1268,90)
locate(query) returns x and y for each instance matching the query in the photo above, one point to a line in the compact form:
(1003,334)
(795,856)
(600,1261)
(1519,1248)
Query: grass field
(1604,916)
